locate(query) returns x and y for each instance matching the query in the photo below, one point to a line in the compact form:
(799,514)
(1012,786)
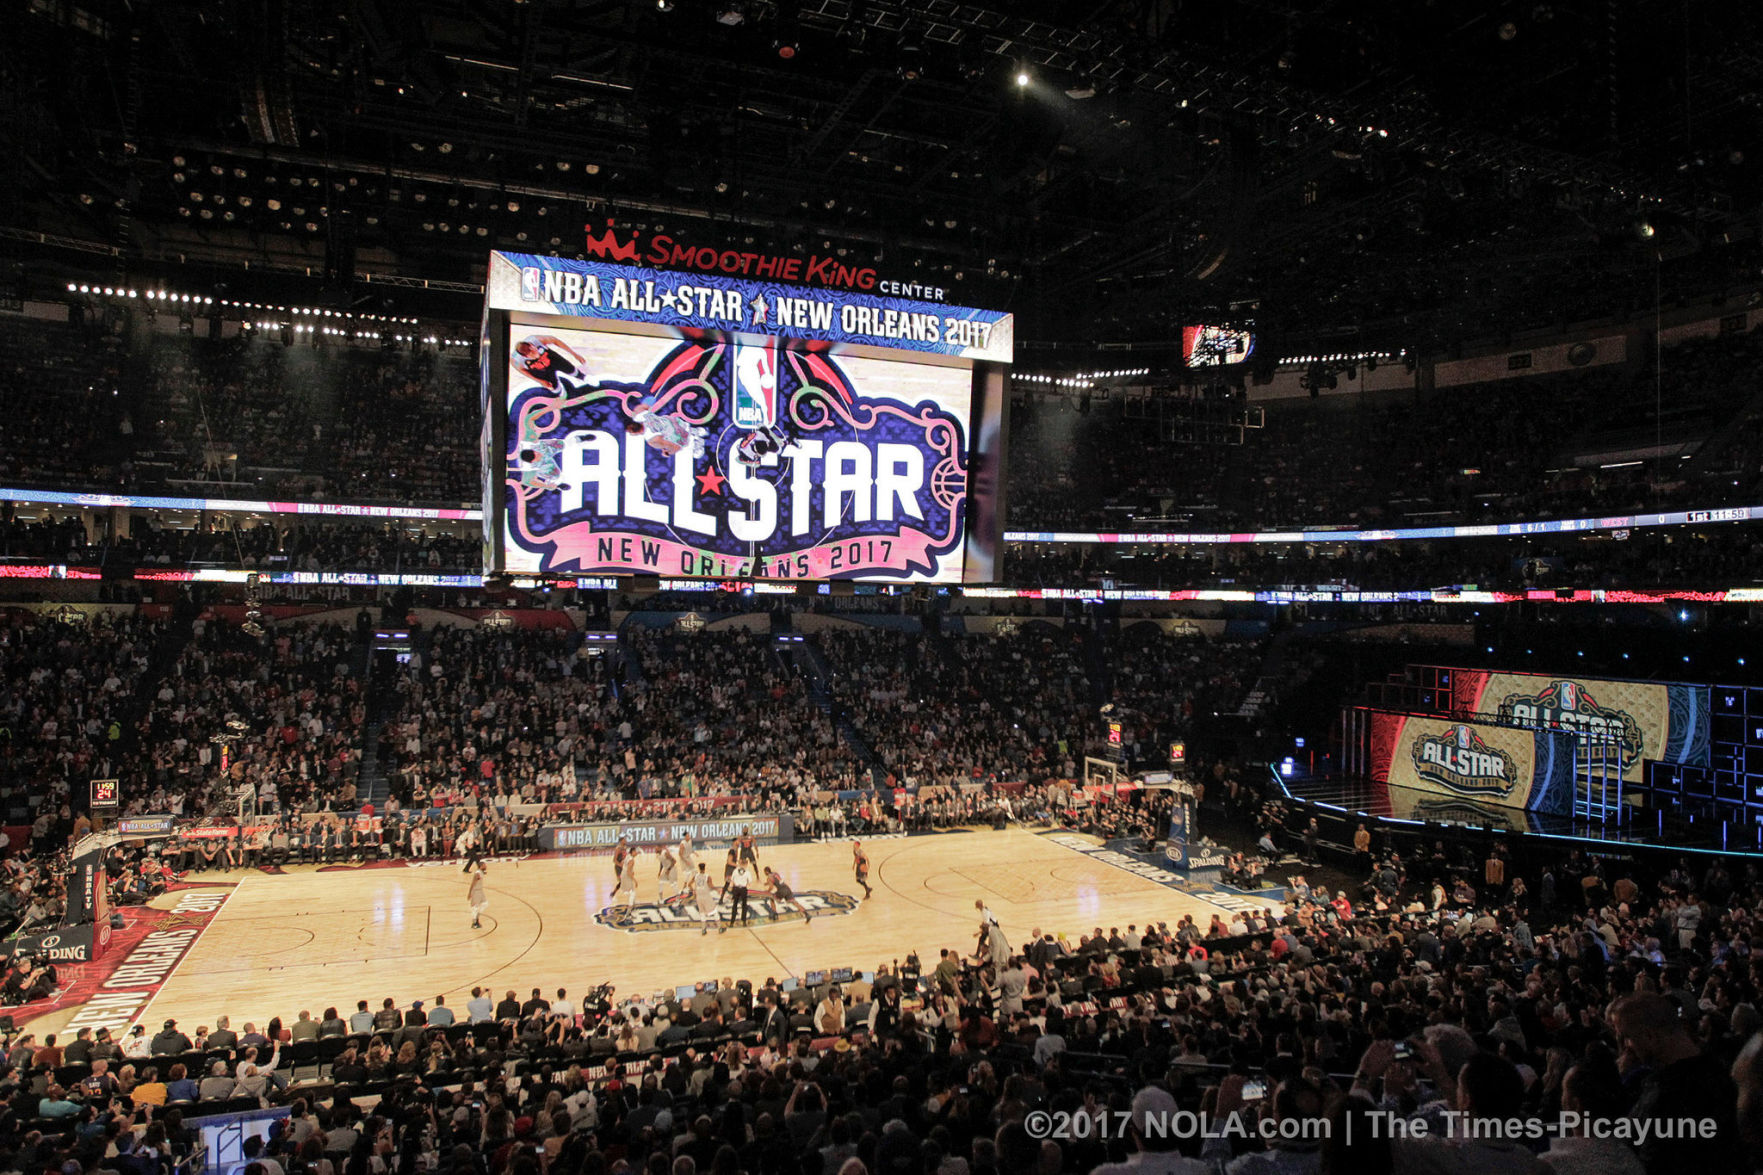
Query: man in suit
(775,1025)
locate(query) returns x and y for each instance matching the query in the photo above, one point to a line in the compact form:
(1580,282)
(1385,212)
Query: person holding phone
(1295,1148)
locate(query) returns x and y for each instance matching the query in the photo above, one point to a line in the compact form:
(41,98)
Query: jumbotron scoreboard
(646,422)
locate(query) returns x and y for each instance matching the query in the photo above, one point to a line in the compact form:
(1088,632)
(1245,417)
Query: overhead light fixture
(786,47)
(731,15)
(663,5)
(1022,77)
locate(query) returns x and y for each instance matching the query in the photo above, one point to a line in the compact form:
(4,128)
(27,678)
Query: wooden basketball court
(311,938)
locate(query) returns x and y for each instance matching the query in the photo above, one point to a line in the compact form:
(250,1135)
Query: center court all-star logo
(680,912)
(728,460)
(1566,705)
(1460,761)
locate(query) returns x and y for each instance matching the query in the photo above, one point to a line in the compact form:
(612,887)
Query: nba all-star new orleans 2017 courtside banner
(1666,721)
(1474,761)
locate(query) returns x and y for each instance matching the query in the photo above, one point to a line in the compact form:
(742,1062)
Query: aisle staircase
(372,785)
(1264,692)
(815,669)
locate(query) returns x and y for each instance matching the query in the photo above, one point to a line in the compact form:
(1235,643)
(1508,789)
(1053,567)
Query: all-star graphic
(735,459)
(680,911)
(1567,705)
(1460,760)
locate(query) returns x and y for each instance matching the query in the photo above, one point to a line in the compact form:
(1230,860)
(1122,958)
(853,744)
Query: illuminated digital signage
(651,423)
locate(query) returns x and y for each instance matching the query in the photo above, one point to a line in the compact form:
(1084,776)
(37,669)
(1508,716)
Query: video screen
(648,452)
(1629,722)
(1215,346)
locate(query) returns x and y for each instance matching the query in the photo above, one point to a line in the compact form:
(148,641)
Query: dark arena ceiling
(1413,169)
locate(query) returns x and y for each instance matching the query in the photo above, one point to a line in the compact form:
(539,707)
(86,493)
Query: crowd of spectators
(63,415)
(717,711)
(534,716)
(1607,994)
(944,710)
(240,416)
(398,426)
(69,696)
(1518,449)
(1435,985)
(290,702)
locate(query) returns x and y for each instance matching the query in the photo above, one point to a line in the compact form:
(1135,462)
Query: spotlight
(1644,230)
(663,5)
(1022,78)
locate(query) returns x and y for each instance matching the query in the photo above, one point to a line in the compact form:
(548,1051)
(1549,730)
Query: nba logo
(1463,737)
(755,399)
(1568,694)
(529,284)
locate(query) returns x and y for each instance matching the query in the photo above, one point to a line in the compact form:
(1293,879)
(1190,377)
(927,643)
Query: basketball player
(665,433)
(627,881)
(479,897)
(860,865)
(729,864)
(704,891)
(749,850)
(620,851)
(545,359)
(738,884)
(688,859)
(781,892)
(667,876)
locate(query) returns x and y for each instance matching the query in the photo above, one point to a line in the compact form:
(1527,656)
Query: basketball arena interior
(881,587)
